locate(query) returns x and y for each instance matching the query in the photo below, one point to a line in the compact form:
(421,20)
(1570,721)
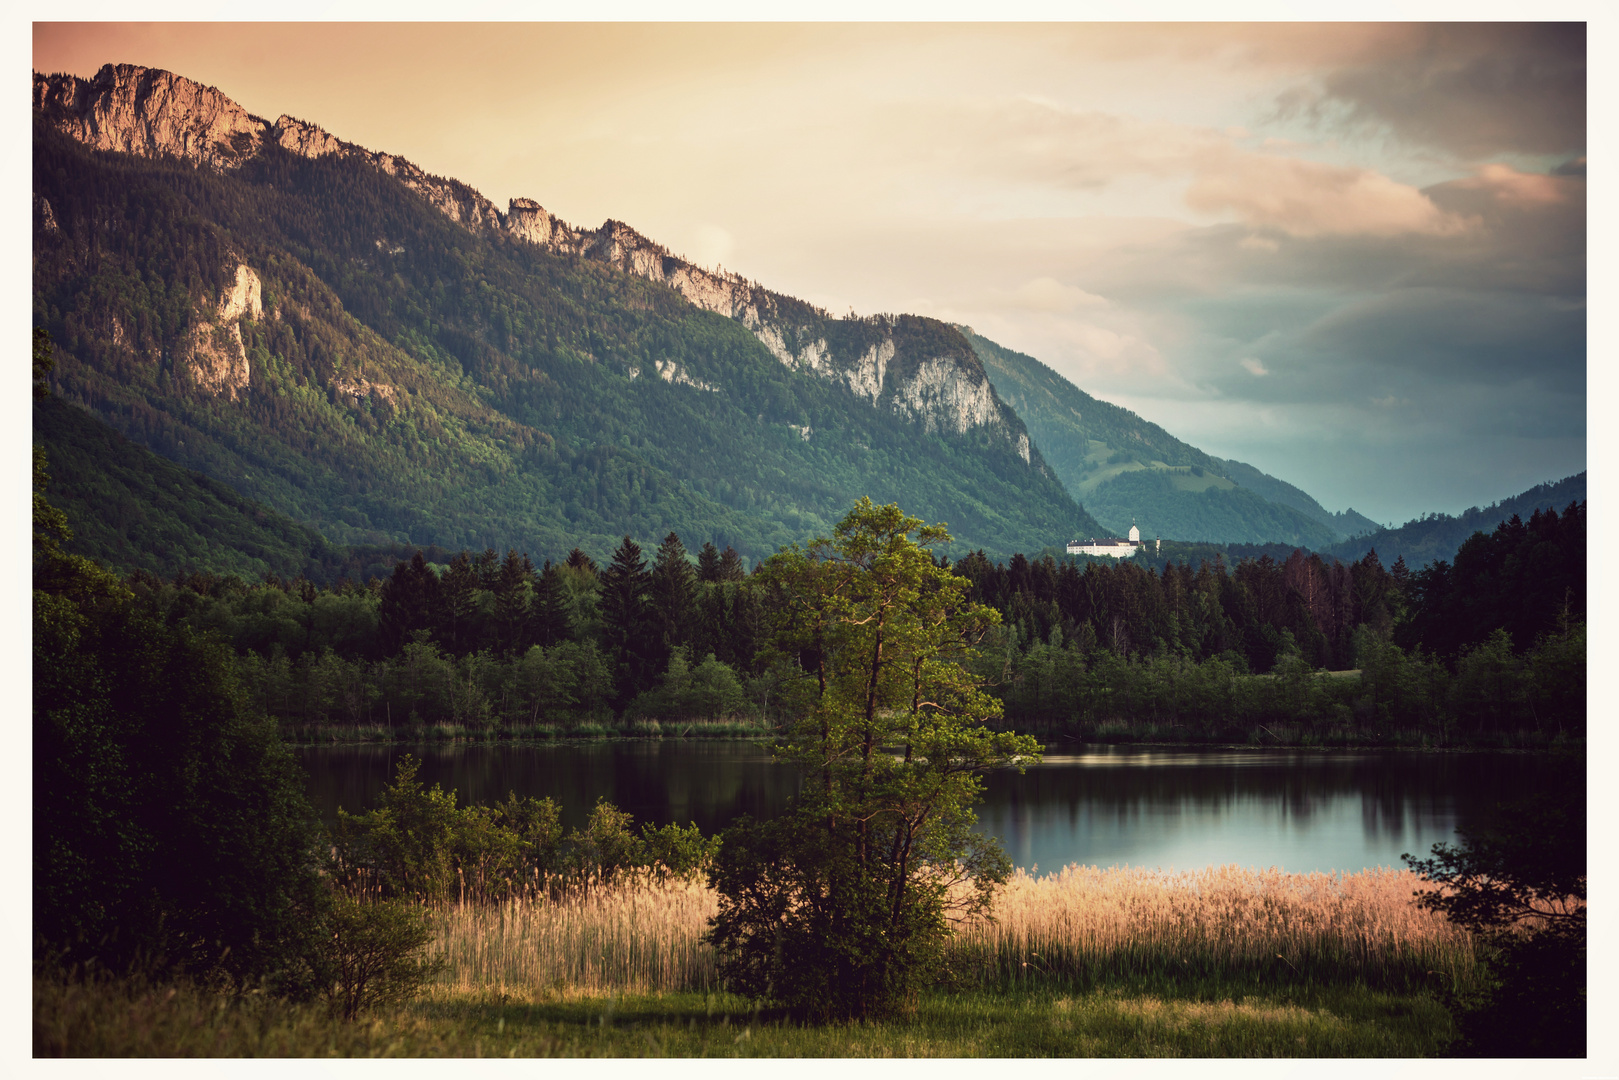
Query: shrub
(373,955)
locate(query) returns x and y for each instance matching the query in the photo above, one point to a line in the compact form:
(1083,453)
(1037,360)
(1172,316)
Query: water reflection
(711,783)
(1296,810)
(1107,806)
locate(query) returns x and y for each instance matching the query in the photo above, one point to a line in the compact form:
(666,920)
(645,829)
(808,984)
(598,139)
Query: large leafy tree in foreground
(841,907)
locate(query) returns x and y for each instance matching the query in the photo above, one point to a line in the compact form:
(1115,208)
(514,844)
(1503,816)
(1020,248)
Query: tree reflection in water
(1104,805)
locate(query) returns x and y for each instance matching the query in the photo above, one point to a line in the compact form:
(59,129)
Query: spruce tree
(674,593)
(455,623)
(549,620)
(708,563)
(629,622)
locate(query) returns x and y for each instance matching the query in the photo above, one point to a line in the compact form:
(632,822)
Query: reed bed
(1077,926)
(637,935)
(1087,924)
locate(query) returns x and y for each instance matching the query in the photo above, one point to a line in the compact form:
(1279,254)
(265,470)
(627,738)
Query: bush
(373,955)
(1519,882)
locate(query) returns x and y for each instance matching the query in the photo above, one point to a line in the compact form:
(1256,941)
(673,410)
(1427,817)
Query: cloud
(1473,89)
(1049,294)
(1253,366)
(1507,185)
(1040,145)
(1306,198)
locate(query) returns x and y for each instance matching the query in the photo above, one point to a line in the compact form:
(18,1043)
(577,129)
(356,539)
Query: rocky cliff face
(934,378)
(218,360)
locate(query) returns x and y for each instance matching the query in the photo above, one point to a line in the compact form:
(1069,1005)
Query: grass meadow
(1080,962)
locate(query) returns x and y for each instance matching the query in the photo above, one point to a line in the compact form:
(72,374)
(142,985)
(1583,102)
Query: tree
(628,622)
(708,563)
(455,623)
(514,594)
(373,955)
(409,599)
(1518,881)
(170,823)
(674,593)
(550,622)
(840,908)
(730,565)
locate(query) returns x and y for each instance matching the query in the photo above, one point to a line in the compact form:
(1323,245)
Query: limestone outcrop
(218,361)
(150,113)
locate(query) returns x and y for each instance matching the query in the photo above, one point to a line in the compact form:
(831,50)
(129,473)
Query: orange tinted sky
(1325,250)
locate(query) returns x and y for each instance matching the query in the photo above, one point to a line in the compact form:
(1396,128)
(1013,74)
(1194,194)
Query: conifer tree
(409,599)
(514,591)
(674,593)
(629,622)
(730,568)
(455,624)
(708,563)
(549,620)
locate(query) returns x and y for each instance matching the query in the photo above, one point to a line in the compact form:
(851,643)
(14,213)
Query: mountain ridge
(405,379)
(148,112)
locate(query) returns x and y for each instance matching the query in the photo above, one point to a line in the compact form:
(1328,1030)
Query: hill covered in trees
(1432,537)
(1123,468)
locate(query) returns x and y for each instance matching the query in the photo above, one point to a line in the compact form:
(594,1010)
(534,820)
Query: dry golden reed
(634,935)
(1087,922)
(1079,922)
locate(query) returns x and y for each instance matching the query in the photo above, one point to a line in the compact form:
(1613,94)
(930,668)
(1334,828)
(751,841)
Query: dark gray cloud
(1476,89)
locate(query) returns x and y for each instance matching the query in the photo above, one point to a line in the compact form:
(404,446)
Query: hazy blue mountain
(1125,469)
(1439,536)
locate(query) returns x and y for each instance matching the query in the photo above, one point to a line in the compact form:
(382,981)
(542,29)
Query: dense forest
(484,643)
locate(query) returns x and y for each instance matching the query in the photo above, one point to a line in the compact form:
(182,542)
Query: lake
(1296,810)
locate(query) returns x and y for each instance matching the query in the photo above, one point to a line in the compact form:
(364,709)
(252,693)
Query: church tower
(1135,533)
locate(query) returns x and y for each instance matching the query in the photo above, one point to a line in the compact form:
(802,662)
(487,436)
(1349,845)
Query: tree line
(1493,643)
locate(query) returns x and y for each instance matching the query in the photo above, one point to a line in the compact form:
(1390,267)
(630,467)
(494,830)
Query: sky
(1352,255)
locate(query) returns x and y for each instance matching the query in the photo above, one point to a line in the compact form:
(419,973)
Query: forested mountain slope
(131,509)
(1423,540)
(1122,468)
(361,347)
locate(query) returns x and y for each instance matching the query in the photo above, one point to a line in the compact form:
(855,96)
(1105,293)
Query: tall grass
(1215,962)
(1080,925)
(1085,924)
(636,934)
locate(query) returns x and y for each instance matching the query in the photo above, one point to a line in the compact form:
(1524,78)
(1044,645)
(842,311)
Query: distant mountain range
(364,354)
(1438,536)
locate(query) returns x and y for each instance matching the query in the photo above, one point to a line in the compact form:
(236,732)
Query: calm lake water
(1100,805)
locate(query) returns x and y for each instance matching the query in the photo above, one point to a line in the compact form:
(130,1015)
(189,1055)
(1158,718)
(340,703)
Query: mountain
(1348,522)
(1439,536)
(1124,469)
(382,355)
(131,509)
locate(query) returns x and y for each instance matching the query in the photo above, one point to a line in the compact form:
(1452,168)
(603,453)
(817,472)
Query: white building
(1117,548)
